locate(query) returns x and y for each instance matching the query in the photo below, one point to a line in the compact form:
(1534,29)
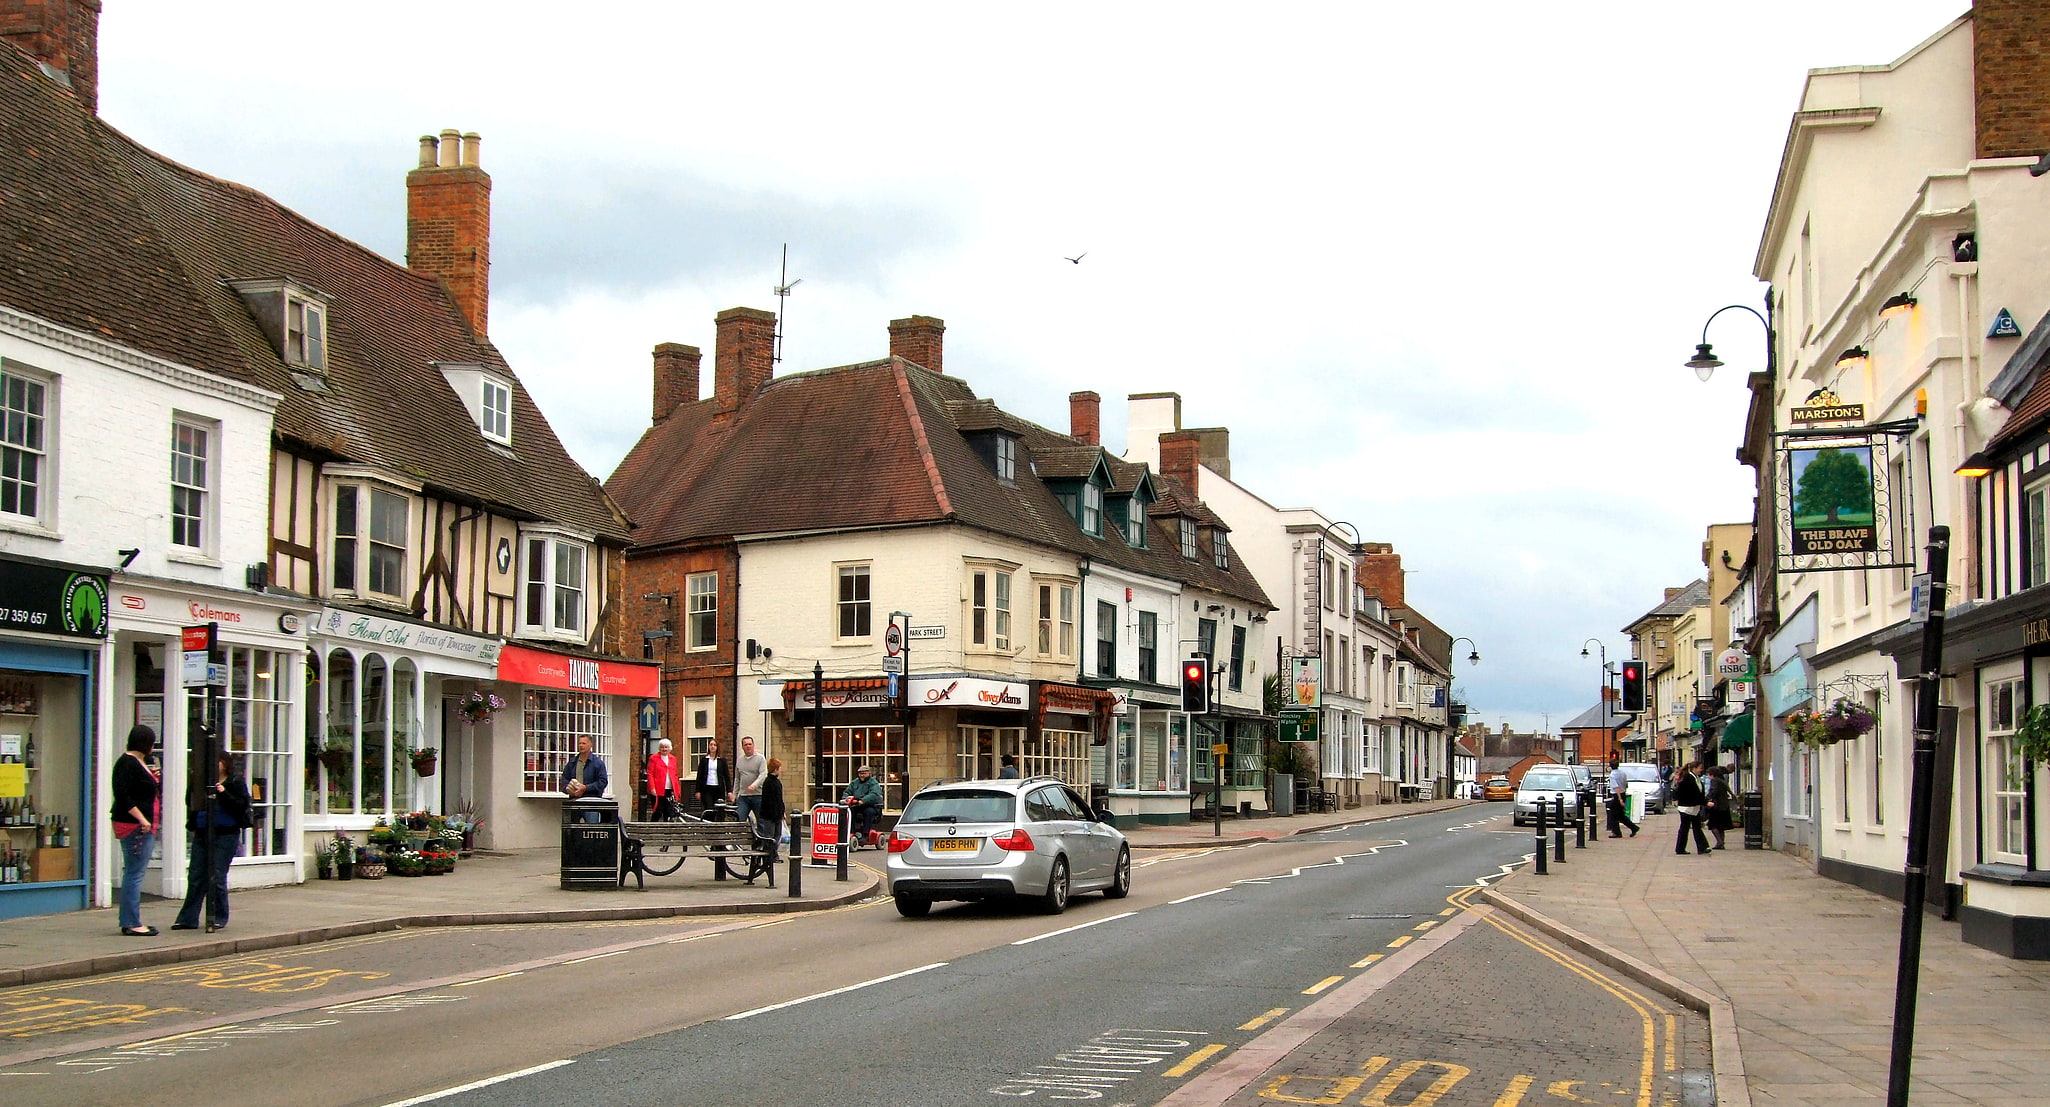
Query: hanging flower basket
(1843,721)
(479,707)
(424,761)
(336,759)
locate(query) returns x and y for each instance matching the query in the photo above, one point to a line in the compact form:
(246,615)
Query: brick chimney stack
(1085,417)
(64,35)
(917,340)
(676,377)
(1380,573)
(448,221)
(1180,453)
(743,357)
(2010,78)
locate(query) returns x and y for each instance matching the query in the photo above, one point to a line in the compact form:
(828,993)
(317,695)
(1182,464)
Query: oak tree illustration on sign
(1834,488)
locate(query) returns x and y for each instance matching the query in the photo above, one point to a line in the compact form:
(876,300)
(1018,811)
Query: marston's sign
(521,665)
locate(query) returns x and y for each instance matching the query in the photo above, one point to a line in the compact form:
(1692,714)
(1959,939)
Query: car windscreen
(1647,774)
(962,806)
(1555,782)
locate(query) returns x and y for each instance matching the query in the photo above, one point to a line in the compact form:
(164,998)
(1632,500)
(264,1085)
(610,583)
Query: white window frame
(1054,609)
(989,607)
(552,721)
(191,507)
(555,589)
(1189,549)
(495,410)
(701,611)
(1405,684)
(1220,548)
(1135,522)
(305,332)
(1344,588)
(365,492)
(1147,649)
(1006,455)
(2007,797)
(27,435)
(1092,508)
(853,614)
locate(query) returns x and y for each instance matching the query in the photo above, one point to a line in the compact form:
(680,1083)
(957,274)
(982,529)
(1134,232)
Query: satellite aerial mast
(783,287)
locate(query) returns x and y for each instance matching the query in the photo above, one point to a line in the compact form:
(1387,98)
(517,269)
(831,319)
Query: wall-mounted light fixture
(1854,356)
(1975,466)
(1900,303)
(1704,362)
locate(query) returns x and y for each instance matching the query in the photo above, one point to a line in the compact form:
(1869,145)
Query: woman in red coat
(661,783)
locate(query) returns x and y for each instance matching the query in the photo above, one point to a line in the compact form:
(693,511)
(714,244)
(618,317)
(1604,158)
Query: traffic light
(1196,685)
(1633,687)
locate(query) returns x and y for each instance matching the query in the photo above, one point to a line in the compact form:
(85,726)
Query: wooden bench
(719,843)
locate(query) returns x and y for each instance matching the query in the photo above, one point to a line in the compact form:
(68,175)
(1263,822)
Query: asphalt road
(1118,1002)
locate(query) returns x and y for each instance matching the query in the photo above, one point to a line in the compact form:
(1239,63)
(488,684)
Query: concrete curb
(1726,1055)
(226,947)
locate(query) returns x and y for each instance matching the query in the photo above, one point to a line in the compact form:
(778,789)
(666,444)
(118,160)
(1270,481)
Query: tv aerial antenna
(783,287)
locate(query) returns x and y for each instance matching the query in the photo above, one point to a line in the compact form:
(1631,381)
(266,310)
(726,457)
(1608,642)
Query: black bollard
(1542,870)
(846,832)
(796,854)
(1559,828)
(1580,820)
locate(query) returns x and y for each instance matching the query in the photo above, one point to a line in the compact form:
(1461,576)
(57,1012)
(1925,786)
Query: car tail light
(899,843)
(1015,840)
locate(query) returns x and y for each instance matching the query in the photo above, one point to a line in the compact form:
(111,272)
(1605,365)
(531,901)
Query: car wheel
(1121,876)
(1055,900)
(913,907)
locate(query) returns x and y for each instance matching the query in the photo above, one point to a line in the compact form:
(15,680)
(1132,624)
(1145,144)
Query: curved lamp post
(1451,733)
(1705,363)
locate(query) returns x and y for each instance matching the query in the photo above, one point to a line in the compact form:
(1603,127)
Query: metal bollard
(846,843)
(1541,869)
(796,855)
(1580,820)
(1559,828)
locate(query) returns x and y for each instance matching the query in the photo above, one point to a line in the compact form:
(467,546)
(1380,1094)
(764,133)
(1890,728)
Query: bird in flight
(1077,259)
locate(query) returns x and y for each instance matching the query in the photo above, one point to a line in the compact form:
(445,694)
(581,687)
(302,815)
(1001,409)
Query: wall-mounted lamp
(757,651)
(1704,362)
(1854,356)
(1215,608)
(1900,303)
(1975,466)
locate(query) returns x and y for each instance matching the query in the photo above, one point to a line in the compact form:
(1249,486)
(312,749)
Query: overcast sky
(1435,266)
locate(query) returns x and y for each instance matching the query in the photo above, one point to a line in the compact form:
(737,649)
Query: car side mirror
(1103,814)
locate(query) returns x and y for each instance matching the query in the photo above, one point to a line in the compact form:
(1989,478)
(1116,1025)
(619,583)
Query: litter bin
(590,843)
(1754,820)
(1284,794)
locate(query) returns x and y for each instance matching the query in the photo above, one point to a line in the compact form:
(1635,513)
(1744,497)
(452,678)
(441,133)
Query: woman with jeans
(137,806)
(216,837)
(1689,800)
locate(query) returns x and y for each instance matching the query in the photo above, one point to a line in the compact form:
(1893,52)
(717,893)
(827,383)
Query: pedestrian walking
(1691,802)
(138,805)
(769,812)
(714,775)
(584,776)
(1619,799)
(660,782)
(748,772)
(1721,802)
(215,831)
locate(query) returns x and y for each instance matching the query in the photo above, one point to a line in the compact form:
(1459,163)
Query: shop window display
(40,781)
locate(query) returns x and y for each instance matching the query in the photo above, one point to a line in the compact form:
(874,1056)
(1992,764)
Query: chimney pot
(451,147)
(1085,417)
(917,339)
(428,145)
(472,142)
(676,377)
(448,223)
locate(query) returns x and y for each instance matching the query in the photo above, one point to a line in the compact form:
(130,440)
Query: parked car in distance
(1541,784)
(1498,788)
(1648,782)
(1468,790)
(988,839)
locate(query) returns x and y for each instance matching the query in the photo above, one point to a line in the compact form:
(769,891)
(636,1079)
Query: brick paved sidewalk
(1808,966)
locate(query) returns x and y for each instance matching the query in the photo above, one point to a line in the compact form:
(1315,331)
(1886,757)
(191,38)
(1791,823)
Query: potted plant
(343,849)
(424,760)
(479,707)
(335,756)
(406,862)
(324,863)
(369,864)
(1846,719)
(465,820)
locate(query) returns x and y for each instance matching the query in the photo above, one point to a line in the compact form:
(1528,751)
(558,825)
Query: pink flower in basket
(478,707)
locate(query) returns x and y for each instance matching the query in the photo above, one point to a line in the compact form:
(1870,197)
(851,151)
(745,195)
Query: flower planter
(423,763)
(369,870)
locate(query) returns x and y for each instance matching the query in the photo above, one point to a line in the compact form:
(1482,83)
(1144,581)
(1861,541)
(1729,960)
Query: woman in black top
(216,838)
(137,807)
(769,816)
(1721,813)
(1689,800)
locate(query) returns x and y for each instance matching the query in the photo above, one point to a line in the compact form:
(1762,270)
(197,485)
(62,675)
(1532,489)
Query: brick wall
(1380,573)
(676,377)
(2011,77)
(62,34)
(448,221)
(1180,451)
(918,340)
(687,673)
(1085,417)
(743,357)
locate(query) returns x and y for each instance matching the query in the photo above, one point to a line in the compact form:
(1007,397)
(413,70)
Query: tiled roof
(101,235)
(1602,716)
(873,445)
(1683,601)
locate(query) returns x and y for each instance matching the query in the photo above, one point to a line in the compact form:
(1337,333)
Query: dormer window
(1092,509)
(293,316)
(305,332)
(1006,457)
(1220,549)
(1189,539)
(486,395)
(1135,523)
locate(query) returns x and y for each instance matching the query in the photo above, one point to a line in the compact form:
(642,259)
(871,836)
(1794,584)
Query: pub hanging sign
(1835,503)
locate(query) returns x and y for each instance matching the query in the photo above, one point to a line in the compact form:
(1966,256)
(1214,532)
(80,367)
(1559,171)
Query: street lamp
(1474,657)
(1451,732)
(1704,362)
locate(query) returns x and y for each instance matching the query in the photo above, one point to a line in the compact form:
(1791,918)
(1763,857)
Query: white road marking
(1200,895)
(1072,929)
(1338,860)
(484,1083)
(823,995)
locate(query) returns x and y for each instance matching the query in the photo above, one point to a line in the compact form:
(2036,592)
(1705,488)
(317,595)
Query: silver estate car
(985,839)
(1539,785)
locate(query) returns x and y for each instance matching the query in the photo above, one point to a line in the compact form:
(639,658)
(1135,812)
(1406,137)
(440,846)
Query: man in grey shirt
(748,770)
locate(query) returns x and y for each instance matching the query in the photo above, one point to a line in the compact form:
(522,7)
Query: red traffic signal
(1633,687)
(1196,685)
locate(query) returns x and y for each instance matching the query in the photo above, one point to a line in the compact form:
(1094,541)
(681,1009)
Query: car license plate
(955,845)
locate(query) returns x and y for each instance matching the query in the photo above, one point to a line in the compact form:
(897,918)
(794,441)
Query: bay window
(370,540)
(552,586)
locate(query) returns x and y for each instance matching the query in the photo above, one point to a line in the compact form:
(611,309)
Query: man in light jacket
(748,770)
